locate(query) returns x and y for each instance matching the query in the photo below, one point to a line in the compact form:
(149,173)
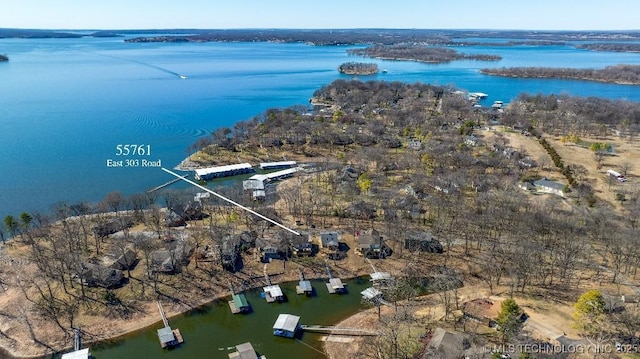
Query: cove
(212,331)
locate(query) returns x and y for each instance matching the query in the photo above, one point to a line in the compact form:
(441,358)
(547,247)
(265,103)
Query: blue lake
(65,104)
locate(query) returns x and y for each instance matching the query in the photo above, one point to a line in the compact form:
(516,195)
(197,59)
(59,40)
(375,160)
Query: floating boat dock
(286,325)
(334,285)
(245,351)
(238,304)
(304,286)
(205,174)
(168,337)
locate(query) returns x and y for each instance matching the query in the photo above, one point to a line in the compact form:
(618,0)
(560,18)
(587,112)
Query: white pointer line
(230,201)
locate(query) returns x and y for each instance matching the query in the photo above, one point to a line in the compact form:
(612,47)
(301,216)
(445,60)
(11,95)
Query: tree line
(620,74)
(418,53)
(358,68)
(395,160)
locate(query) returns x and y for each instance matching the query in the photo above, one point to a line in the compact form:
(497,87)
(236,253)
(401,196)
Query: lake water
(213,332)
(66,104)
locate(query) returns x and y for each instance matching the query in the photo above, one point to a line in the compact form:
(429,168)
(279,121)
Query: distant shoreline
(618,74)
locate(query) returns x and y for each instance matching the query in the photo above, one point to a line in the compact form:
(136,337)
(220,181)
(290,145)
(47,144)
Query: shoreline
(120,329)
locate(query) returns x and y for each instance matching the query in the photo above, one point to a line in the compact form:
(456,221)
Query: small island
(618,74)
(420,53)
(4,58)
(358,68)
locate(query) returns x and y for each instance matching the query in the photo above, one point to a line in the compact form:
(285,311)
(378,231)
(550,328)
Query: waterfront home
(245,351)
(170,260)
(112,226)
(121,259)
(301,245)
(422,241)
(179,214)
(271,248)
(329,240)
(371,245)
(286,325)
(205,174)
(96,275)
(273,293)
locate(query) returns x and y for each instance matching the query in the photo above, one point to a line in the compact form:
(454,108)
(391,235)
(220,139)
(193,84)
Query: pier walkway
(166,184)
(328,329)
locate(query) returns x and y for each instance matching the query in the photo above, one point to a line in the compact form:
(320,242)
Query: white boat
(183,77)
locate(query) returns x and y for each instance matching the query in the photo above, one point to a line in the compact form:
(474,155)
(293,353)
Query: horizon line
(315,29)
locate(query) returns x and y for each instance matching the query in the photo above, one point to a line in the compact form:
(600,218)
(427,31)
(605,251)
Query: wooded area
(358,68)
(620,74)
(387,156)
(419,53)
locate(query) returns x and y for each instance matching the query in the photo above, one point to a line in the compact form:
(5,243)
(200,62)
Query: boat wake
(146,64)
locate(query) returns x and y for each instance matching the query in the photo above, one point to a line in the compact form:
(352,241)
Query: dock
(238,303)
(273,293)
(166,184)
(304,286)
(329,329)
(245,351)
(78,352)
(334,285)
(168,337)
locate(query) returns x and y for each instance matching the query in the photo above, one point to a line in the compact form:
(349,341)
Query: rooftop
(78,354)
(273,290)
(288,322)
(166,335)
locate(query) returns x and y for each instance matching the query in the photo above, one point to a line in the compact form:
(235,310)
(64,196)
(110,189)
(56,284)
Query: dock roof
(240,301)
(370,293)
(336,283)
(265,165)
(78,354)
(305,285)
(376,276)
(222,169)
(166,335)
(288,322)
(244,351)
(273,290)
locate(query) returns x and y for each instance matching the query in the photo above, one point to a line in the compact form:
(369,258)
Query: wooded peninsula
(618,74)
(420,53)
(447,190)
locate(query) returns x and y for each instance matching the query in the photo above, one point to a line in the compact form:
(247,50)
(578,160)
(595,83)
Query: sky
(322,14)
